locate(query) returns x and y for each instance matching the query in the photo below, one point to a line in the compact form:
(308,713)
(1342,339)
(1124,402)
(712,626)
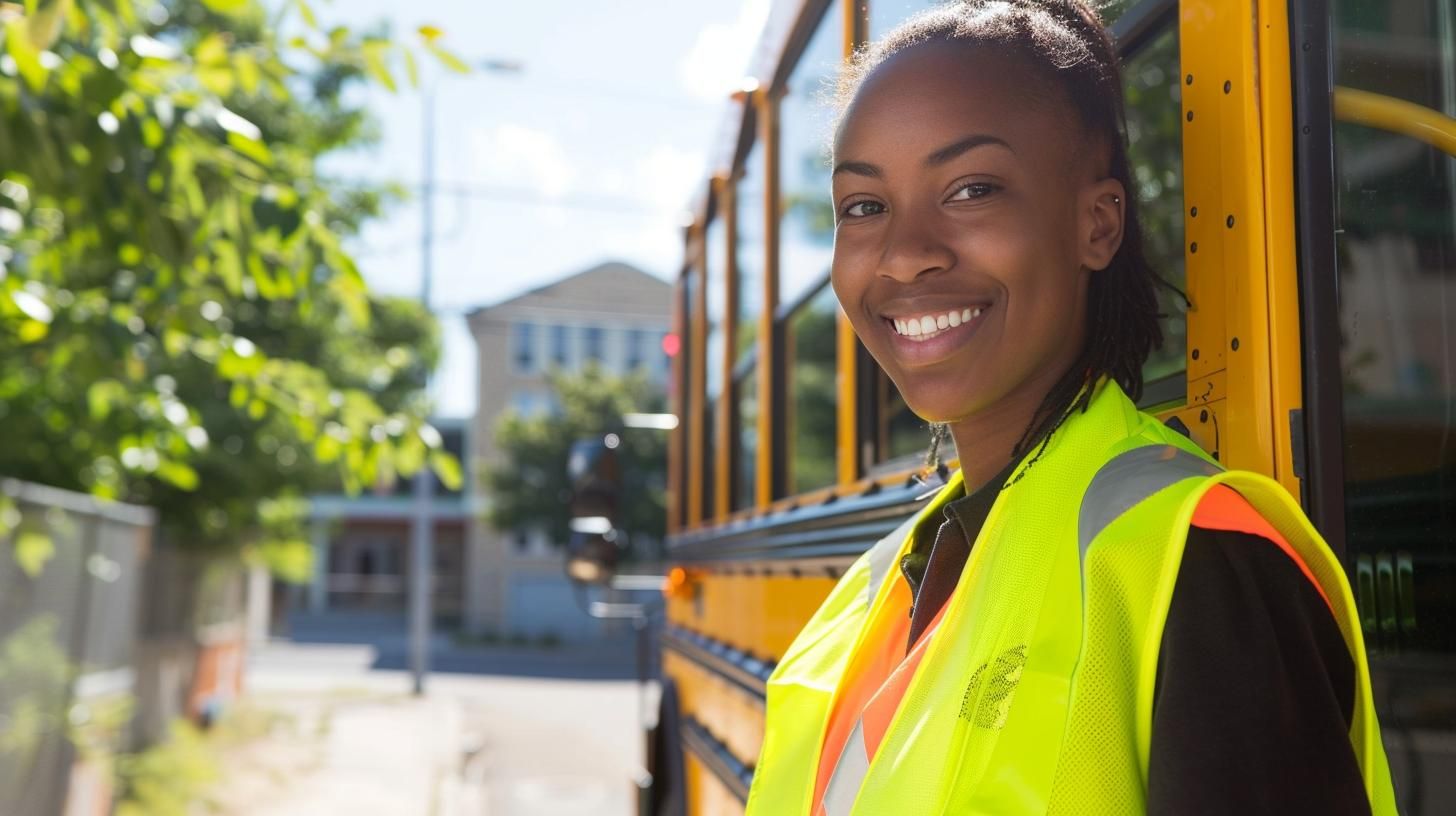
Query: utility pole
(422,525)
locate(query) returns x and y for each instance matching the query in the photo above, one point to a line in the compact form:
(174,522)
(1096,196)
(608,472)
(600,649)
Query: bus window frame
(1320,426)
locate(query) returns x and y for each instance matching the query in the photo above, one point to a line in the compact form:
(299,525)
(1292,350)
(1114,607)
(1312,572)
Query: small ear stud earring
(1116,199)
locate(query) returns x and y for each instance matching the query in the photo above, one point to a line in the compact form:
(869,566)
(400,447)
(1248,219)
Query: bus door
(1380,337)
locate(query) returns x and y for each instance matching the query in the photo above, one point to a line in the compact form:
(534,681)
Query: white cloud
(522,157)
(668,176)
(714,67)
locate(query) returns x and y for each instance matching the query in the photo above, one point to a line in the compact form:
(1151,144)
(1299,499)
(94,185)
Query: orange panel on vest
(1222,508)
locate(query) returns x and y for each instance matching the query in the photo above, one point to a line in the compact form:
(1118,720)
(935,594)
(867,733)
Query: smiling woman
(1075,607)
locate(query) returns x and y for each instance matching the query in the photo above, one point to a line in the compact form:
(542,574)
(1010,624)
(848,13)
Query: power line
(529,197)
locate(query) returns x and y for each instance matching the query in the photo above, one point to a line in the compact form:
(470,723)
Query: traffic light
(596,486)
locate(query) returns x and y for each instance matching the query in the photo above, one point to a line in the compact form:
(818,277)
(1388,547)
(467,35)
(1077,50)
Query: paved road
(524,732)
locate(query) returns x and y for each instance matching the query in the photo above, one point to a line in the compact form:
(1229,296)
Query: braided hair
(1069,50)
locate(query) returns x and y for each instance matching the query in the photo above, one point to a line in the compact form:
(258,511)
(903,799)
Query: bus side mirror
(596,481)
(591,558)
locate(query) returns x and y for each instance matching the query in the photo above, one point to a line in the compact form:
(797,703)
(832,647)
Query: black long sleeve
(1255,690)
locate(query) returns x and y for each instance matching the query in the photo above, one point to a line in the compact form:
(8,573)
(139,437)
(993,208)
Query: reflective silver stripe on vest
(849,774)
(882,556)
(1128,479)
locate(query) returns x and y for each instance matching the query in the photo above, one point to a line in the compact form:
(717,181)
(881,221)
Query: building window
(636,341)
(594,341)
(523,343)
(560,356)
(530,403)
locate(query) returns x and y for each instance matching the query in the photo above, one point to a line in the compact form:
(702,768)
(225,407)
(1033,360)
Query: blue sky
(608,127)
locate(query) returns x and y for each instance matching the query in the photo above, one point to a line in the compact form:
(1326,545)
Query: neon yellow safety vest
(1036,692)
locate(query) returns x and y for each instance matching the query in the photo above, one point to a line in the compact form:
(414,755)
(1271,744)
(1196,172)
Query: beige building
(614,315)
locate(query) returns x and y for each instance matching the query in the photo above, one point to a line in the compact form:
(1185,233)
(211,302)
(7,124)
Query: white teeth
(928,325)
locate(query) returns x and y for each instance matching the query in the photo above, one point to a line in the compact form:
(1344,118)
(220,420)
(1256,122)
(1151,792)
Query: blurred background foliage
(180,324)
(529,487)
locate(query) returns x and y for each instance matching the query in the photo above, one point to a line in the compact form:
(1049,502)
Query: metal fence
(70,587)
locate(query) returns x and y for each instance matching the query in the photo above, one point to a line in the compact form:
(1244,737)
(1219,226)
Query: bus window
(717,282)
(806,214)
(1155,151)
(811,405)
(1396,249)
(749,229)
(748,198)
(806,244)
(745,416)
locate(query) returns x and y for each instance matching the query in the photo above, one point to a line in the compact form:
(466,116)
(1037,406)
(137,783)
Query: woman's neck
(985,443)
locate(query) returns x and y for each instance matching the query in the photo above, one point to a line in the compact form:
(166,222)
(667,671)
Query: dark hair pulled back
(1065,43)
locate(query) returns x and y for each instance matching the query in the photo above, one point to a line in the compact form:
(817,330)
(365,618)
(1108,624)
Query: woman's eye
(860,209)
(976,189)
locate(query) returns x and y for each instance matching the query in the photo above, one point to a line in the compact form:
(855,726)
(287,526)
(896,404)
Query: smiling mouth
(925,327)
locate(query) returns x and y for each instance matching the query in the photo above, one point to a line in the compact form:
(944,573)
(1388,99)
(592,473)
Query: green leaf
(46,23)
(32,550)
(252,148)
(9,515)
(212,50)
(227,6)
(229,266)
(375,52)
(306,12)
(446,58)
(246,67)
(411,68)
(447,467)
(24,52)
(31,331)
(178,473)
(102,395)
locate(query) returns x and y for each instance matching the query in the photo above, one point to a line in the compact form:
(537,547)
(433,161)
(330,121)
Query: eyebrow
(935,159)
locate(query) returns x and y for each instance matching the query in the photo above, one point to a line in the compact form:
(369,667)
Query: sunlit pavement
(524,732)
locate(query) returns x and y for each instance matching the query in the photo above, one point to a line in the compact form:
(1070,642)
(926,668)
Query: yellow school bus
(1296,165)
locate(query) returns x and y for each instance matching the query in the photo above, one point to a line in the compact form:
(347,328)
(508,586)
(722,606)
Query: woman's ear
(1103,207)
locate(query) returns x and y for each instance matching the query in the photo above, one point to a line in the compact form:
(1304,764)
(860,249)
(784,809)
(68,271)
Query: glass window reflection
(806,214)
(811,392)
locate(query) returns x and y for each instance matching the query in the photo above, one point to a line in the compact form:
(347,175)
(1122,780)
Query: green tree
(180,321)
(529,488)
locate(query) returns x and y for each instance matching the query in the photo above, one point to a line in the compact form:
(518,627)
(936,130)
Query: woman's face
(969,214)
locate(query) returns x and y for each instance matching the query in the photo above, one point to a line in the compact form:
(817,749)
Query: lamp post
(422,523)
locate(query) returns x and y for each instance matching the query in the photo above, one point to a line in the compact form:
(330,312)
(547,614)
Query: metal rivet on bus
(1195,354)
(1235,344)
(1306,45)
(1227,86)
(1190,79)
(1190,116)
(1306,130)
(1193,247)
(1193,212)
(1203,415)
(1229,222)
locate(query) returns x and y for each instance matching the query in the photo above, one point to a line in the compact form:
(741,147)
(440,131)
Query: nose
(914,246)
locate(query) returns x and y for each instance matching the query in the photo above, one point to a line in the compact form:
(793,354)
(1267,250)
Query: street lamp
(422,526)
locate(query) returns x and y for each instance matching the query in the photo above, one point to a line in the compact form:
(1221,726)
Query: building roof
(610,287)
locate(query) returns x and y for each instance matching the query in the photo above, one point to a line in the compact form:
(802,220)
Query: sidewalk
(359,752)
(508,732)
